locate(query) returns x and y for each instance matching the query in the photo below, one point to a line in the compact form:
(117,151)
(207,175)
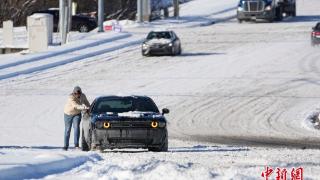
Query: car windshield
(159,35)
(266,1)
(124,104)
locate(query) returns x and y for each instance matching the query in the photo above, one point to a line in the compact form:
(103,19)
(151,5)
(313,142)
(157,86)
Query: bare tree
(16,10)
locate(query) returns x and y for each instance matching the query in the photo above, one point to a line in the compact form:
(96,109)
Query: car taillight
(315,33)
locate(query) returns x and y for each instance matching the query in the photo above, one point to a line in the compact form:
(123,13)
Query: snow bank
(66,55)
(150,169)
(62,50)
(31,163)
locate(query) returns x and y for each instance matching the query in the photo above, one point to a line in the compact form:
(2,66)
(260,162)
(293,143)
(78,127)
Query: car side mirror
(313,28)
(165,111)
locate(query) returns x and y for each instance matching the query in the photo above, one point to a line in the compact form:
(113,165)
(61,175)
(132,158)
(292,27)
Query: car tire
(270,20)
(279,16)
(144,54)
(83,28)
(294,13)
(180,51)
(173,51)
(239,21)
(163,147)
(85,145)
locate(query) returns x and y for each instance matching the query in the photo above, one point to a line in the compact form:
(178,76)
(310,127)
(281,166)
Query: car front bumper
(243,15)
(129,138)
(157,50)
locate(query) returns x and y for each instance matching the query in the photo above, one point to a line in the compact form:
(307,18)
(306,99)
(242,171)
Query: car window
(119,105)
(159,35)
(317,27)
(144,105)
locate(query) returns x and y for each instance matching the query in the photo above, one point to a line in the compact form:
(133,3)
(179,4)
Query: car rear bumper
(129,138)
(268,15)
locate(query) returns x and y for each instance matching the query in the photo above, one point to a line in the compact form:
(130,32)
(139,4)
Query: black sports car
(161,43)
(315,35)
(79,22)
(124,122)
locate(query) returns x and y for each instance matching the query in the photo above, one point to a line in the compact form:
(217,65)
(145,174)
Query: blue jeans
(68,121)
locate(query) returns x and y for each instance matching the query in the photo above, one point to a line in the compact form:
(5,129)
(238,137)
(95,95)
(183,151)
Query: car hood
(267,2)
(158,41)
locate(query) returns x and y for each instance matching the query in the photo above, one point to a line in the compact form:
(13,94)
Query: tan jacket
(74,105)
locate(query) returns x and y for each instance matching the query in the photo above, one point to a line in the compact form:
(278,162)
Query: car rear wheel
(85,145)
(83,28)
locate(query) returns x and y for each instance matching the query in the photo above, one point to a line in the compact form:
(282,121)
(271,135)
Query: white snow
(239,96)
(138,114)
(37,162)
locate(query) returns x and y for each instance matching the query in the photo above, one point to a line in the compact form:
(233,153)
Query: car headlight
(268,8)
(145,46)
(170,44)
(154,124)
(240,8)
(106,125)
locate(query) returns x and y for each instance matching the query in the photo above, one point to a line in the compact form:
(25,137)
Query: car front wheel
(163,147)
(180,50)
(173,51)
(85,145)
(83,28)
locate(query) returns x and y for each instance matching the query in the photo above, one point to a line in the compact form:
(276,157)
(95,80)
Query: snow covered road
(239,96)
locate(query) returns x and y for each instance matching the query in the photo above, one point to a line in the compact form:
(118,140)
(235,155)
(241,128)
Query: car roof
(161,30)
(122,96)
(53,9)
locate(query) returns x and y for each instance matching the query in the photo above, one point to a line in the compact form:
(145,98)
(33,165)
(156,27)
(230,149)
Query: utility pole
(176,8)
(146,10)
(143,10)
(100,15)
(140,11)
(69,15)
(62,23)
(65,7)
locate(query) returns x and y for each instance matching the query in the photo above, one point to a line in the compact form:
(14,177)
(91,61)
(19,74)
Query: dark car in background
(116,122)
(161,43)
(269,10)
(79,22)
(315,35)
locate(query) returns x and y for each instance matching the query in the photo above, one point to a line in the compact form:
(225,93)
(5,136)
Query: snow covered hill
(239,96)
